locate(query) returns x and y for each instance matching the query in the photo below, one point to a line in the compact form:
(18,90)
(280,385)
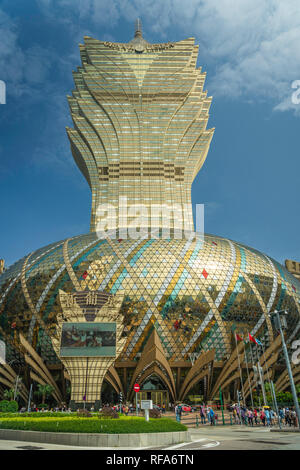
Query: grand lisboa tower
(93,315)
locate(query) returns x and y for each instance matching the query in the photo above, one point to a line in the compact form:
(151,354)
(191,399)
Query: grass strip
(124,425)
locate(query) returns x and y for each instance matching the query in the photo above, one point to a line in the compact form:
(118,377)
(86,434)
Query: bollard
(197,422)
(230,420)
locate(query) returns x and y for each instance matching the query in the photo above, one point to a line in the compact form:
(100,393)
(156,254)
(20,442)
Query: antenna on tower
(138,28)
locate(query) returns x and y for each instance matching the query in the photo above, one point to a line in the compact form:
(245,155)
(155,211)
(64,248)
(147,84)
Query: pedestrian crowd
(248,416)
(264,416)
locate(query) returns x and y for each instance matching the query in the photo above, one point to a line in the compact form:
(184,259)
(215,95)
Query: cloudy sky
(251,52)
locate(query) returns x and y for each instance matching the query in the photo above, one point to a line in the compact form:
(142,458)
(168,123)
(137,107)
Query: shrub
(83,413)
(12,407)
(42,405)
(108,413)
(4,406)
(154,413)
(46,414)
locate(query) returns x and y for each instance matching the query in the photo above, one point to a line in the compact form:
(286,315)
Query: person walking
(273,417)
(235,414)
(243,415)
(178,411)
(208,414)
(263,417)
(211,417)
(268,417)
(202,414)
(250,417)
(293,418)
(281,415)
(255,416)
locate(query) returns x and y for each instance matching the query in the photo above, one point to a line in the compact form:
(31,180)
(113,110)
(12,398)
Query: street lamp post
(16,387)
(278,325)
(29,400)
(17,378)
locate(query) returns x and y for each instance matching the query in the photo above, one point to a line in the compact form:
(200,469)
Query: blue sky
(251,53)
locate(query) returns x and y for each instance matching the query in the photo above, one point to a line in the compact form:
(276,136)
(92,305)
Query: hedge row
(92,425)
(54,414)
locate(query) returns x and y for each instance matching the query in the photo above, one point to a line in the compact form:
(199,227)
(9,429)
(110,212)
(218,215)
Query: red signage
(136,388)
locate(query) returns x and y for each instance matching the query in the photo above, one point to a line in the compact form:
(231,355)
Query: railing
(229,420)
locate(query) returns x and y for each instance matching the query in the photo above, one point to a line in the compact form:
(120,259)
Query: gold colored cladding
(267,374)
(96,273)
(262,304)
(233,281)
(9,379)
(155,311)
(32,308)
(114,119)
(14,342)
(260,299)
(87,373)
(237,357)
(200,338)
(121,268)
(283,380)
(202,362)
(210,302)
(184,260)
(267,360)
(293,267)
(115,379)
(141,169)
(152,355)
(69,268)
(36,362)
(230,365)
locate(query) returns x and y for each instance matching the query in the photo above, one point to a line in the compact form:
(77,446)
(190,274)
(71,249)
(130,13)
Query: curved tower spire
(138,28)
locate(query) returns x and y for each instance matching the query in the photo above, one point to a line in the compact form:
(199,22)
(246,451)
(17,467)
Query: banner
(88,340)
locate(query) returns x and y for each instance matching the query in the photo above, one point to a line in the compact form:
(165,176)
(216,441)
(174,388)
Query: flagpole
(257,342)
(260,375)
(240,369)
(250,388)
(267,370)
(255,375)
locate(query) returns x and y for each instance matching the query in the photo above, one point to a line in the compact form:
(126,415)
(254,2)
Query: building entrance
(154,389)
(158,397)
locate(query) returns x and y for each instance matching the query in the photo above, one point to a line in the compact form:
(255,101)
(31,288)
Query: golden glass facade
(140,115)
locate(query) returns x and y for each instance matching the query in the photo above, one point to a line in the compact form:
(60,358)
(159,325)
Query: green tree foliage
(44,391)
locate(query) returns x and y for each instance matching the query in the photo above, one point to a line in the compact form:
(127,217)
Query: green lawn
(123,425)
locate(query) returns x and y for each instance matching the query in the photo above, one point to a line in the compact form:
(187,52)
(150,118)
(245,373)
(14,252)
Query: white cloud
(20,69)
(252,46)
(26,72)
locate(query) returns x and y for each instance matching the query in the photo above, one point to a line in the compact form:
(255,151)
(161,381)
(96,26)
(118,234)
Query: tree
(44,391)
(9,394)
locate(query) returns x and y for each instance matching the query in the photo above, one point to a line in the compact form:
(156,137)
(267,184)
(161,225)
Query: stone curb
(285,430)
(97,440)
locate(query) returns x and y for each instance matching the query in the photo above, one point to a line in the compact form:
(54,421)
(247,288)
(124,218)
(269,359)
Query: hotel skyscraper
(164,312)
(140,117)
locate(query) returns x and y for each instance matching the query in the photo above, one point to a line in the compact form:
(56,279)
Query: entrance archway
(153,388)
